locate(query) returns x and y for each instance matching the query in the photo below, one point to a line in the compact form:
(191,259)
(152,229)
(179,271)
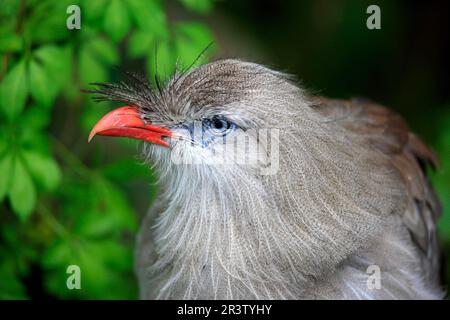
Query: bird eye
(219,125)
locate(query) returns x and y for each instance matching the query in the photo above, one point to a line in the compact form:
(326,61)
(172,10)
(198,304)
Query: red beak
(126,122)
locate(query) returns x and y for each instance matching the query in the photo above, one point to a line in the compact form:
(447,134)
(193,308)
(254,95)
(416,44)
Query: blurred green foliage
(64,202)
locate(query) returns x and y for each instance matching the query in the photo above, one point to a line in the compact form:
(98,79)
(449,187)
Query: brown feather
(389,133)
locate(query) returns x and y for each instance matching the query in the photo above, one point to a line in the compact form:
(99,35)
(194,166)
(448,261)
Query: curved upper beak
(126,122)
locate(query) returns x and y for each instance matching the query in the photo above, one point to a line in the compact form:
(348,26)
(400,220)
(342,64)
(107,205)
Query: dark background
(327,45)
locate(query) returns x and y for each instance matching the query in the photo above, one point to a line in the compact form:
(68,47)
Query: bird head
(211,117)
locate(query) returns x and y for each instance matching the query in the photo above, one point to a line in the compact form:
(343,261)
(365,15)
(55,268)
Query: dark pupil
(220,124)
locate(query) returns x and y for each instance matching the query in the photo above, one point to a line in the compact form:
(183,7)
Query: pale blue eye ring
(218,126)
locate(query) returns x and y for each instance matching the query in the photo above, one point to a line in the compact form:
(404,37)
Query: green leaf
(140,43)
(200,6)
(48,71)
(105,268)
(35,118)
(14,90)
(150,16)
(4,142)
(43,169)
(93,11)
(11,287)
(9,8)
(116,22)
(104,51)
(196,32)
(5,173)
(96,224)
(57,62)
(91,70)
(127,168)
(95,241)
(31,139)
(108,213)
(47,22)
(22,193)
(56,254)
(113,202)
(190,40)
(10,43)
(163,63)
(41,86)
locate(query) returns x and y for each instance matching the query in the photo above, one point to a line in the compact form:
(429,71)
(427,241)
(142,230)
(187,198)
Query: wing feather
(388,132)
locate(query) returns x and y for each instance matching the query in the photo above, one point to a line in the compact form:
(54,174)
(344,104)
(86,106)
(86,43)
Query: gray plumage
(351,191)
